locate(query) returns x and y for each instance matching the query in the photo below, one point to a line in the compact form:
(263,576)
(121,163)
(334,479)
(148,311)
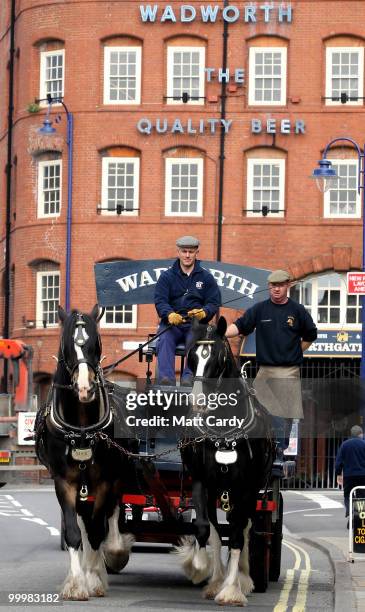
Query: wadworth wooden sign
(133,282)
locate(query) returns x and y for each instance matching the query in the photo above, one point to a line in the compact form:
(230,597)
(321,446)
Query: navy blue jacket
(351,457)
(280,328)
(179,292)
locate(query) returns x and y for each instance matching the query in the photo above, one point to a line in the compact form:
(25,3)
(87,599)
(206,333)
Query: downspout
(222,140)
(69,208)
(9,165)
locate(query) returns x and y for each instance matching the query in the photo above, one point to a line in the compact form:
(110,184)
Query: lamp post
(49,130)
(324,175)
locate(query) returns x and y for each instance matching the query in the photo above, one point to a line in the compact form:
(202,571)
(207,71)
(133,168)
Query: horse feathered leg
(74,586)
(117,546)
(195,560)
(93,565)
(215,582)
(245,579)
(231,592)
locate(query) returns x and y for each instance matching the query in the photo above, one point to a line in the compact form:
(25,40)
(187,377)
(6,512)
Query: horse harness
(80,441)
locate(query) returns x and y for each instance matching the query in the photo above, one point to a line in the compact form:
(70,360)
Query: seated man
(183,292)
(284,330)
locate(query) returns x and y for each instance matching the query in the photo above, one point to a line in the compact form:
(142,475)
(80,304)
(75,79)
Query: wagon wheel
(259,549)
(276,540)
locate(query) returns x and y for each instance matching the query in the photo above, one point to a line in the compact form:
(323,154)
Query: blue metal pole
(69,208)
(362,187)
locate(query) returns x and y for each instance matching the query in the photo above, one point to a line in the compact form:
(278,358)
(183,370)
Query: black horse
(72,432)
(229,462)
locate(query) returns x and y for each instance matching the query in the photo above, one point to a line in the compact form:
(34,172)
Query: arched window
(326,298)
(185,70)
(52,69)
(267,72)
(344,71)
(47,281)
(120,181)
(122,71)
(265,182)
(184,181)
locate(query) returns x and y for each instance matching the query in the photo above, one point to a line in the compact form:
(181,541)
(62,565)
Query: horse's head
(80,350)
(208,350)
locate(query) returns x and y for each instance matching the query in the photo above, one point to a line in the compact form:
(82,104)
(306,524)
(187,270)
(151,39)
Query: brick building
(147,86)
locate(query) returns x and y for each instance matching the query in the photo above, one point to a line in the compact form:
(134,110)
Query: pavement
(349,576)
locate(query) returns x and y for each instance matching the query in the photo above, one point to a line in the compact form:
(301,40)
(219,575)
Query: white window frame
(41,204)
(39,301)
(250,187)
(170,65)
(327,195)
(107,75)
(168,185)
(252,75)
(329,64)
(42,79)
(104,185)
(315,282)
(132,325)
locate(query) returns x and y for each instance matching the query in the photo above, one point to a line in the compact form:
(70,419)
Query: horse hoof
(115,561)
(246,583)
(74,592)
(231,596)
(95,585)
(212,589)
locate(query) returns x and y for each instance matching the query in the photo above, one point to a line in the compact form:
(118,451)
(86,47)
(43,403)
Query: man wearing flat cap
(284,329)
(183,292)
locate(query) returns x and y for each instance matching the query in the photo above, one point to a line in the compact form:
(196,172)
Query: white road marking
(34,520)
(317,515)
(26,512)
(325,502)
(13,508)
(301,510)
(53,531)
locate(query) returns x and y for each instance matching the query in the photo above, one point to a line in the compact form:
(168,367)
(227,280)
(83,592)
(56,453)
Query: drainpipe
(222,141)
(9,165)
(69,207)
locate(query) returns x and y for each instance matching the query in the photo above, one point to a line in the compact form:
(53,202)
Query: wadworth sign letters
(249,13)
(211,13)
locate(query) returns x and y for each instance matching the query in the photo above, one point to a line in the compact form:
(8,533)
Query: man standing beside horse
(183,292)
(284,330)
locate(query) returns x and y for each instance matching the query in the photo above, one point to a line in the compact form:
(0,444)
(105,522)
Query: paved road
(31,561)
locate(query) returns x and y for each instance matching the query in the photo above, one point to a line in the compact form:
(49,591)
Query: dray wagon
(159,508)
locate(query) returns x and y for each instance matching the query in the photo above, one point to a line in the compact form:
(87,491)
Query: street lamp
(49,130)
(325,175)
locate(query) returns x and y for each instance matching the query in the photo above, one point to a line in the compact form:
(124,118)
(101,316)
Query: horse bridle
(80,341)
(232,436)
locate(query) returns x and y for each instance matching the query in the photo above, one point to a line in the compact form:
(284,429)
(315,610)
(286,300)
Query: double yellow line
(302,589)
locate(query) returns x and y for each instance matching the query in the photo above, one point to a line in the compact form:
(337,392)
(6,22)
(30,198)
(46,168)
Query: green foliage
(33,107)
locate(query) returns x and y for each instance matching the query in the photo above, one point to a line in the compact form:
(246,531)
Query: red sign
(356,283)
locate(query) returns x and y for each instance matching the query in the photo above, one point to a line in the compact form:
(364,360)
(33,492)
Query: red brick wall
(302,240)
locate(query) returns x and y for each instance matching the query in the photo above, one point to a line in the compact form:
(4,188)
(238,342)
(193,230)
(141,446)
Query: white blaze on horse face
(83,371)
(203,353)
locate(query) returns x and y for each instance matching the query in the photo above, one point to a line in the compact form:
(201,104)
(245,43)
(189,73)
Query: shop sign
(210,13)
(358,525)
(26,422)
(329,343)
(133,282)
(213,125)
(356,283)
